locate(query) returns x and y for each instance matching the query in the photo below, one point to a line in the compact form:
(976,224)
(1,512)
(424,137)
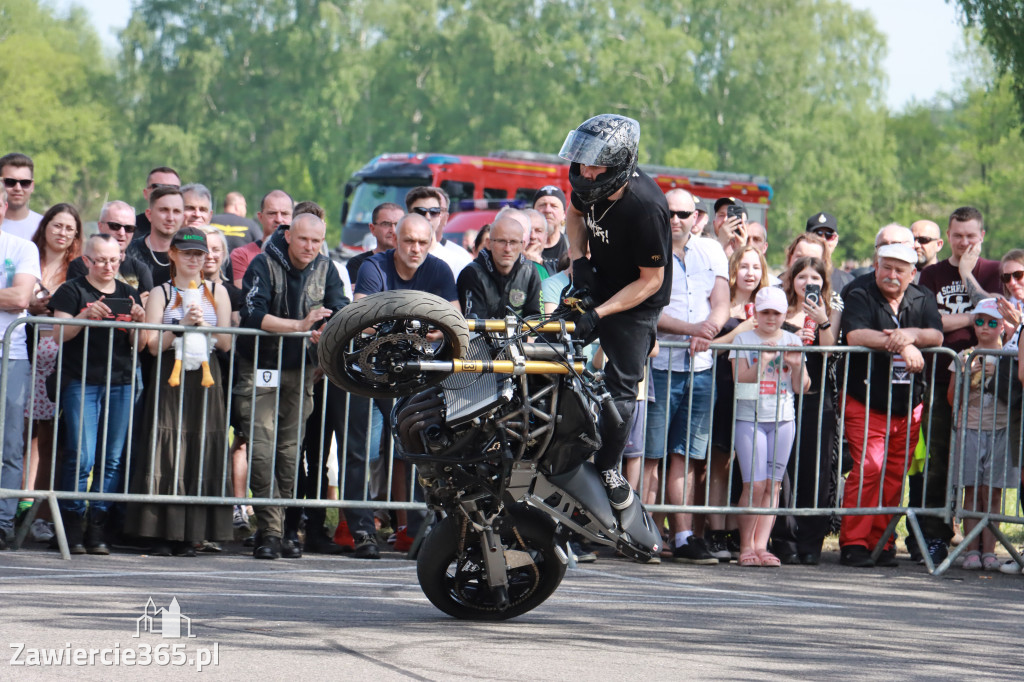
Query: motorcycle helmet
(605,140)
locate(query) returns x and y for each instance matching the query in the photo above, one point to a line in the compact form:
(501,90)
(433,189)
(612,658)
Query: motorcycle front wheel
(364,348)
(451,571)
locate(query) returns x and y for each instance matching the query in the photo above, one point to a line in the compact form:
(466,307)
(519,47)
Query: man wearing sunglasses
(927,242)
(825,226)
(17,171)
(117,219)
(432,203)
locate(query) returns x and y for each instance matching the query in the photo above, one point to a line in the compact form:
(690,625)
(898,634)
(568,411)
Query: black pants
(811,472)
(626,339)
(935,429)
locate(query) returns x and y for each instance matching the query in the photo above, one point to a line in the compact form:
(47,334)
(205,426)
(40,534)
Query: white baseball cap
(771,298)
(903,252)
(988,306)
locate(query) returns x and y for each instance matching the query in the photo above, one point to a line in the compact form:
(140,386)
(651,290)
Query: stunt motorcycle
(500,429)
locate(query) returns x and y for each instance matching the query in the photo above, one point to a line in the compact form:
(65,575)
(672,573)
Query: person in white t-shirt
(18,173)
(19,273)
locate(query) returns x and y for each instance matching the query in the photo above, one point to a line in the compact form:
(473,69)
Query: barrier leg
(1005,542)
(915,528)
(58,528)
(21,531)
(968,539)
(889,530)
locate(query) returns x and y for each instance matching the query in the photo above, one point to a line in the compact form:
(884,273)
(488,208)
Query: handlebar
(492,367)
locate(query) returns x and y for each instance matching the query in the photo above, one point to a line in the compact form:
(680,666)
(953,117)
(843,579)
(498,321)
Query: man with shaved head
(275,211)
(117,218)
(501,278)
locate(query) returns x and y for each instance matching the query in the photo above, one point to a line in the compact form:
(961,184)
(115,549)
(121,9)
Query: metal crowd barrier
(809,423)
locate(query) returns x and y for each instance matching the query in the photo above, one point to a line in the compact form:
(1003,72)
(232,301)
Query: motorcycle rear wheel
(456,582)
(361,346)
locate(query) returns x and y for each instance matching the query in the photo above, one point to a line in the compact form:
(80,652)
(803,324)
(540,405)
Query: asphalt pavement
(320,618)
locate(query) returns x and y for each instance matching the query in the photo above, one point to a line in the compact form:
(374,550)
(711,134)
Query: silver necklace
(593,212)
(152,254)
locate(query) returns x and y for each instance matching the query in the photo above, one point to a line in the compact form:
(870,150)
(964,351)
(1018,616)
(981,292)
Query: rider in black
(622,215)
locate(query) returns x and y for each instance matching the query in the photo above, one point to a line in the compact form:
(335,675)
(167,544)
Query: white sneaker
(240,518)
(1011,567)
(41,531)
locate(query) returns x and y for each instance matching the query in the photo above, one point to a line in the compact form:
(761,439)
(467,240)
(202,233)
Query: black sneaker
(856,556)
(3,539)
(694,552)
(914,550)
(619,493)
(718,545)
(366,546)
(583,555)
(291,548)
(732,542)
(937,550)
(322,543)
(887,559)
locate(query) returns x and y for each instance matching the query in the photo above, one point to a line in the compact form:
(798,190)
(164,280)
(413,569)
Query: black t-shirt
(866,308)
(157,262)
(132,272)
(353,263)
(627,234)
(74,296)
(237,230)
(552,254)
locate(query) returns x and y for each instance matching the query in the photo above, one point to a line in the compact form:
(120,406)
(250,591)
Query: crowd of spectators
(176,412)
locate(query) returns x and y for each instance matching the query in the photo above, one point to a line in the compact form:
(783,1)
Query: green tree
(1002,26)
(58,104)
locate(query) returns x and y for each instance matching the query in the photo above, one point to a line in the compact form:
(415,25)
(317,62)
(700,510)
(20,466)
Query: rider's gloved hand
(586,325)
(584,276)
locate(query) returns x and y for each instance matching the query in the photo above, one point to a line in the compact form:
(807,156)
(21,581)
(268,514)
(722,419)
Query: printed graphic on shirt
(953,299)
(900,373)
(596,229)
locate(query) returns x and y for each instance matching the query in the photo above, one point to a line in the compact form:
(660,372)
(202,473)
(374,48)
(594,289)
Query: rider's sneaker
(619,493)
(583,555)
(694,552)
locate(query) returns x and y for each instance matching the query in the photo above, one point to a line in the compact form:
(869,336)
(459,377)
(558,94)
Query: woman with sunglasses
(184,438)
(1011,273)
(59,241)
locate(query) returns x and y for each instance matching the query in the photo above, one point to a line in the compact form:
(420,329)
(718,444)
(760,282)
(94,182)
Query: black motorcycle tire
(402,305)
(439,569)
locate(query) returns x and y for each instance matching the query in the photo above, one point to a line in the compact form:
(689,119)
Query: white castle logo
(163,621)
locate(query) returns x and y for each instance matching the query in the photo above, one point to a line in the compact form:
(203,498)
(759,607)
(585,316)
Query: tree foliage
(251,95)
(1002,26)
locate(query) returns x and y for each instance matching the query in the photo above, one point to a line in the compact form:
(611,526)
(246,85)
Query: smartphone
(119,306)
(812,292)
(733,211)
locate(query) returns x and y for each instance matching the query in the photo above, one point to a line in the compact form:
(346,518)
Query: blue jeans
(689,428)
(88,415)
(19,378)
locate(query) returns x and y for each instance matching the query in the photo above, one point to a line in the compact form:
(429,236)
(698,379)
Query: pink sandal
(749,559)
(768,560)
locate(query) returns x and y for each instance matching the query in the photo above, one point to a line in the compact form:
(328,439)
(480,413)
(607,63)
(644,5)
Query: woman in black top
(808,483)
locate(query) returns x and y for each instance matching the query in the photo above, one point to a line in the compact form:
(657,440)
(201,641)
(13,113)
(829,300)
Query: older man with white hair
(883,414)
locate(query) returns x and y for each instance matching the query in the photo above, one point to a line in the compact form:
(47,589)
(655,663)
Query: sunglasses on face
(991,323)
(10,183)
(824,233)
(117,227)
(682,215)
(925,241)
(1007,276)
(432,211)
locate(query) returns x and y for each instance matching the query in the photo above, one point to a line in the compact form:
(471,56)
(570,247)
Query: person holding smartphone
(730,224)
(809,473)
(87,389)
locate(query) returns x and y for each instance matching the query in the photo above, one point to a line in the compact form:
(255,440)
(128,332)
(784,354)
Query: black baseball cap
(820,221)
(190,239)
(729,200)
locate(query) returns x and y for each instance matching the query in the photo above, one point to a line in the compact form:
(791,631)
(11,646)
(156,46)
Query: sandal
(768,560)
(972,561)
(990,562)
(749,559)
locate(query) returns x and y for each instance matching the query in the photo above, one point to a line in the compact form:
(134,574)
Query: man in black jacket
(287,291)
(500,278)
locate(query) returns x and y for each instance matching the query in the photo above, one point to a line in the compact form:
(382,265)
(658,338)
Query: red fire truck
(477,182)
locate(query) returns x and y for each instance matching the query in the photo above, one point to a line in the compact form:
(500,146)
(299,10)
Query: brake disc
(416,342)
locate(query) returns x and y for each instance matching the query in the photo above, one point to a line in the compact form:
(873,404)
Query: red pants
(875,467)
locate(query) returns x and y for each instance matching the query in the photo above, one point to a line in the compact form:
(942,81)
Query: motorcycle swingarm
(569,512)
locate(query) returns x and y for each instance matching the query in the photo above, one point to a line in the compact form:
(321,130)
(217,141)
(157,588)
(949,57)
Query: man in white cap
(895,320)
